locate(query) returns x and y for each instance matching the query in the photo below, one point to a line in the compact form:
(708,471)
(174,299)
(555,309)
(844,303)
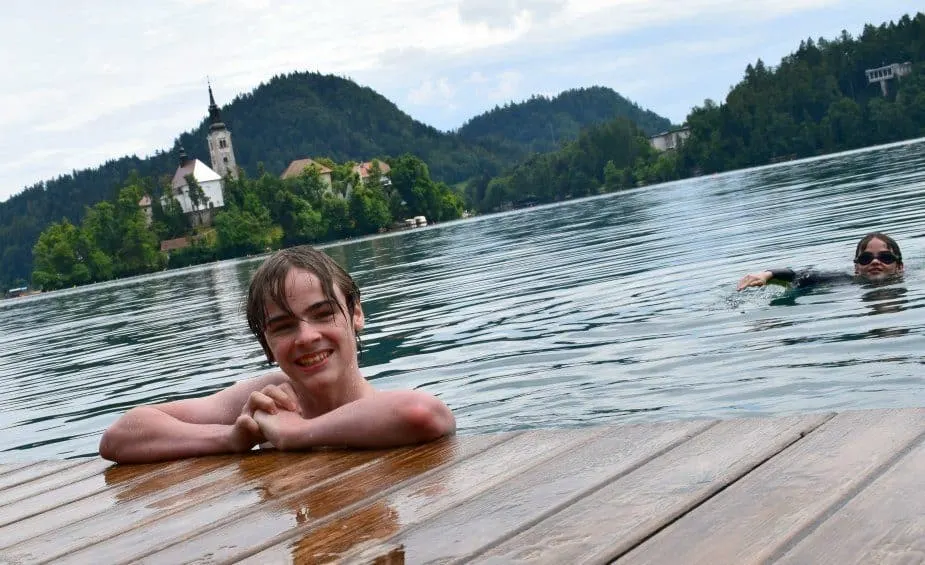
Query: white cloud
(507,13)
(134,70)
(436,92)
(507,86)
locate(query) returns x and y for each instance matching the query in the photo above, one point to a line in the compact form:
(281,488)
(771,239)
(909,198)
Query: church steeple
(215,114)
(220,150)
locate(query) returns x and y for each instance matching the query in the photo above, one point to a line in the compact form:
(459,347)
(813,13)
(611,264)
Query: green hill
(310,115)
(816,101)
(541,124)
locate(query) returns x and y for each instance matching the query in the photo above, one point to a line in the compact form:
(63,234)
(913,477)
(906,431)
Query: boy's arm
(187,428)
(383,419)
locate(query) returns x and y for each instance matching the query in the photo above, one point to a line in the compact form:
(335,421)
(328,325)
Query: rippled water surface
(604,310)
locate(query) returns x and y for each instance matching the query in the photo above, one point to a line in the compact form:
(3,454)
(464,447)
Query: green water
(604,310)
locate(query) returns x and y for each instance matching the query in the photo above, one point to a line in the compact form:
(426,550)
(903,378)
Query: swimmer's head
(877,257)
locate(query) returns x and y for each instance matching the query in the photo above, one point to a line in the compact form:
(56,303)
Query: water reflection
(604,310)
(886,300)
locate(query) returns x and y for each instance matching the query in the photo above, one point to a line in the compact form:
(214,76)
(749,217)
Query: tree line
(259,214)
(817,101)
(300,114)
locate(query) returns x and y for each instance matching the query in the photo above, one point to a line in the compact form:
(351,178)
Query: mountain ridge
(290,116)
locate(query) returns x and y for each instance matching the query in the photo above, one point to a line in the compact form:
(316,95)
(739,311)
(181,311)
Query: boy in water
(877,259)
(305,311)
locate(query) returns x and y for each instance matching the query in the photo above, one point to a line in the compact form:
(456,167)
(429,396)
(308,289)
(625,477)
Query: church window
(221,143)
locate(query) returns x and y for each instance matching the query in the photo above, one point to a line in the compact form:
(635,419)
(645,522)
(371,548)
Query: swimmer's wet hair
(889,241)
(269,285)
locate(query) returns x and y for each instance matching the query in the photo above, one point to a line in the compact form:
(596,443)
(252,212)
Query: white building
(669,139)
(209,181)
(889,72)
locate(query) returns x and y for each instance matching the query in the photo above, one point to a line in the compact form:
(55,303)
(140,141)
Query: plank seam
(168,514)
(43,475)
(360,503)
(282,537)
(81,474)
(353,553)
(833,508)
(59,504)
(799,437)
(10,467)
(583,494)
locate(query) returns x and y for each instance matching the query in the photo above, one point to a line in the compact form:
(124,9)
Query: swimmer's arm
(186,428)
(383,419)
(782,277)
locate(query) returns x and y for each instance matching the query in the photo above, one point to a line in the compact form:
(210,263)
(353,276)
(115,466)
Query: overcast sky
(88,81)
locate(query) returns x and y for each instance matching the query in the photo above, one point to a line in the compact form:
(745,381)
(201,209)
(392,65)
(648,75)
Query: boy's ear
(358,319)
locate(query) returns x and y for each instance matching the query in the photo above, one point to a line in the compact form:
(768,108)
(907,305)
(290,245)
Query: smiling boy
(305,311)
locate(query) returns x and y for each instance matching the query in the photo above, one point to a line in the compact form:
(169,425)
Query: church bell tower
(220,149)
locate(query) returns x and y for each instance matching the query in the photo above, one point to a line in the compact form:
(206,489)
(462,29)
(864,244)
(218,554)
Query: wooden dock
(821,488)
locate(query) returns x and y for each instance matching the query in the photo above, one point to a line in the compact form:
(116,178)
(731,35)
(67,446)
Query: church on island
(198,188)
(199,206)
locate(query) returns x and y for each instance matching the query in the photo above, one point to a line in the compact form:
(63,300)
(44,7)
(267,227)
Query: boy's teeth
(312,359)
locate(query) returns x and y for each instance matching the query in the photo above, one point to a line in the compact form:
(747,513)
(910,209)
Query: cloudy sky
(88,81)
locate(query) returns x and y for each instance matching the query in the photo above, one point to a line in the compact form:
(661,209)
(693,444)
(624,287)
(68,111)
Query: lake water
(604,310)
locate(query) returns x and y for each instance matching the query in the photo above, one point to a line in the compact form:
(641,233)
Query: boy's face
(318,344)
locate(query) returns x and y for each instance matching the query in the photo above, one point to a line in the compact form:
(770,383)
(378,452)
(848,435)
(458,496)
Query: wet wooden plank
(616,518)
(10,467)
(749,521)
(86,468)
(884,523)
(382,517)
(212,495)
(113,483)
(535,495)
(125,484)
(35,471)
(326,481)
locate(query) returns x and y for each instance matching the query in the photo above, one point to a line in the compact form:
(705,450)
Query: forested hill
(816,101)
(291,116)
(542,124)
(312,115)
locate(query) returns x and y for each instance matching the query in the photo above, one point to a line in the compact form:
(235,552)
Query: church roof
(296,167)
(200,171)
(215,114)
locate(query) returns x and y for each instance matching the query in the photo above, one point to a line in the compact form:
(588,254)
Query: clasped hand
(264,417)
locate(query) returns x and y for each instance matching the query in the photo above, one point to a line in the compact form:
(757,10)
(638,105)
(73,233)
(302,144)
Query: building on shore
(669,140)
(886,73)
(200,208)
(299,166)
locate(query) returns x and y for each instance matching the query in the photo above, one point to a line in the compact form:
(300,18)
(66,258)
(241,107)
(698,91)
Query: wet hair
(889,241)
(269,285)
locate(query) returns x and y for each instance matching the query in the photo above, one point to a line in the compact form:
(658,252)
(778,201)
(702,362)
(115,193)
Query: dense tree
(308,114)
(542,124)
(816,101)
(610,156)
(62,257)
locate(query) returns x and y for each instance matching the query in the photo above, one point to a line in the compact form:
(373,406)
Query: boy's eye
(279,326)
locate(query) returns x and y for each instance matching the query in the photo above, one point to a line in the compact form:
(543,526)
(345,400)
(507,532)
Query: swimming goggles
(885,257)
